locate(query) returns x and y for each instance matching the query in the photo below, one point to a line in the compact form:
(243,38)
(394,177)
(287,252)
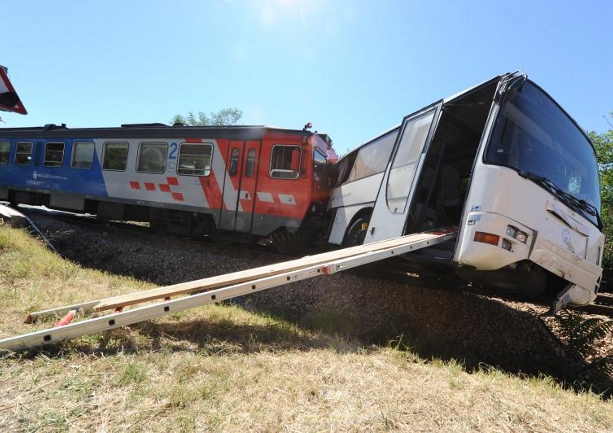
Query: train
(232,183)
(502,164)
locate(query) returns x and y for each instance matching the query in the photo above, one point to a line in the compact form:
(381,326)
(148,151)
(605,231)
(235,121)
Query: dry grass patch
(311,390)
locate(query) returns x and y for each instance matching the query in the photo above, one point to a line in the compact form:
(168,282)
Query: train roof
(156,130)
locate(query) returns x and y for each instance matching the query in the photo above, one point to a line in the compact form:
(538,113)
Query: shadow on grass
(202,335)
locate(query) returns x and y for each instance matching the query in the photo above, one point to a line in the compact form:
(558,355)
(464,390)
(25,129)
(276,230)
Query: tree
(224,117)
(604,149)
(603,142)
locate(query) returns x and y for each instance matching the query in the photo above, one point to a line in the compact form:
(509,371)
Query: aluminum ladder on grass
(213,289)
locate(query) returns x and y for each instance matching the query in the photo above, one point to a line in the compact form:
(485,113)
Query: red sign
(9,100)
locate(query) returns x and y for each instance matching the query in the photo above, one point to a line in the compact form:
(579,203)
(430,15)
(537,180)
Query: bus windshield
(534,136)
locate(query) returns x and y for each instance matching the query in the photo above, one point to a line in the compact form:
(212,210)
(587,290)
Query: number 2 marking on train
(173,150)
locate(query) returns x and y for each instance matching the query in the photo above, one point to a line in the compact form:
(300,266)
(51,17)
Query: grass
(220,368)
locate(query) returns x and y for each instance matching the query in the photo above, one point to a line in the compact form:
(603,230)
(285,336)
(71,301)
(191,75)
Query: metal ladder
(213,289)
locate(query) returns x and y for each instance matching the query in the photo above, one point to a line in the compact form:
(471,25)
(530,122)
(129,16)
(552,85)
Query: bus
(504,165)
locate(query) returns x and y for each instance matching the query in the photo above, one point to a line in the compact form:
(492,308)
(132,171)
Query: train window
(234,162)
(195,159)
(54,154)
(285,162)
(5,149)
(82,155)
(23,155)
(319,165)
(152,157)
(115,156)
(250,163)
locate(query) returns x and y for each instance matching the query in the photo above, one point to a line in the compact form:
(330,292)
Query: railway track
(603,305)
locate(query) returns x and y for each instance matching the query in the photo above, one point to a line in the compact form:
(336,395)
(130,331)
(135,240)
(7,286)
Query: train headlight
(517,234)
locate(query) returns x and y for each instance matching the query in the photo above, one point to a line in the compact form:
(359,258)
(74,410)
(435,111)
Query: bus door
(240,185)
(390,213)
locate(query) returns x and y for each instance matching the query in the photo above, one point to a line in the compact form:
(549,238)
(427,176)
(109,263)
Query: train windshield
(534,136)
(320,166)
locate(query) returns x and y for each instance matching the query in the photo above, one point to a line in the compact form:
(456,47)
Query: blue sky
(353,68)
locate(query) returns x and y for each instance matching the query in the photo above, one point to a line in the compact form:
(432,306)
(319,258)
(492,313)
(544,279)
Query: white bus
(504,165)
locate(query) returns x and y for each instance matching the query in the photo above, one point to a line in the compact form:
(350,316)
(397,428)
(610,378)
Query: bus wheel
(357,232)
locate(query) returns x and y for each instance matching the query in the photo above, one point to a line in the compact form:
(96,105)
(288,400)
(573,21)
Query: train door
(389,215)
(240,185)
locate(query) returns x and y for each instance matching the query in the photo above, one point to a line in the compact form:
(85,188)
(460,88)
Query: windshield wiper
(564,196)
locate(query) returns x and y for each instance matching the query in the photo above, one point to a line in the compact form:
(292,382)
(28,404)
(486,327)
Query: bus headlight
(517,234)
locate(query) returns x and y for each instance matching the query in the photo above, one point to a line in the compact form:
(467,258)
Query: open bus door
(9,100)
(391,208)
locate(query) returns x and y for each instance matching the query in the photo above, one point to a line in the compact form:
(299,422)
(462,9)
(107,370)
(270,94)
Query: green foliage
(581,334)
(582,337)
(223,117)
(603,143)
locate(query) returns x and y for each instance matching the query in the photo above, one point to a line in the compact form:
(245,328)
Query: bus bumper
(489,242)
